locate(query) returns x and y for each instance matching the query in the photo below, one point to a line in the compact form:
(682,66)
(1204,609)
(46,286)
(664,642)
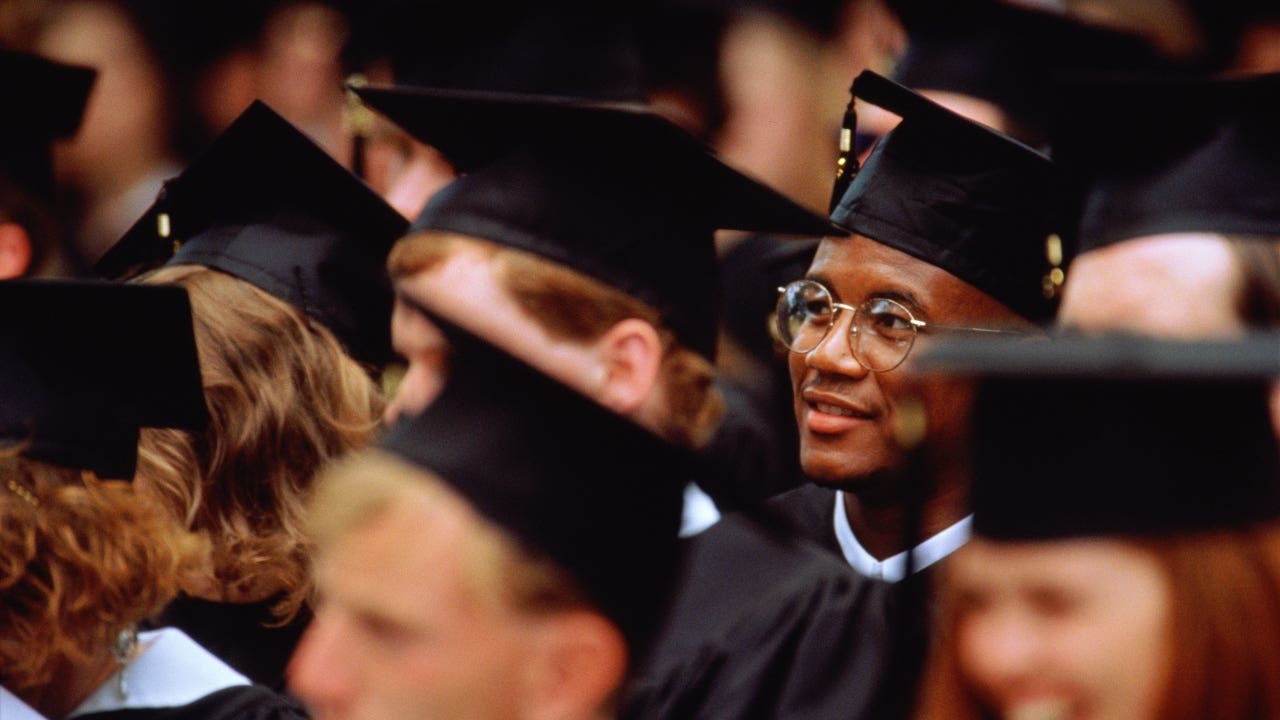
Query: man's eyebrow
(897,294)
(902,297)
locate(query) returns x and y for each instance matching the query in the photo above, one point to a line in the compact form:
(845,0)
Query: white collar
(699,513)
(170,671)
(12,708)
(894,568)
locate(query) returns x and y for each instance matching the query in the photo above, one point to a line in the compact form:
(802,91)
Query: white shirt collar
(894,568)
(170,671)
(12,708)
(699,513)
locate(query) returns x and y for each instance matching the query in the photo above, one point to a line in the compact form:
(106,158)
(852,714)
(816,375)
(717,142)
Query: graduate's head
(593,227)
(950,221)
(284,399)
(509,550)
(428,609)
(282,251)
(597,339)
(83,555)
(1126,549)
(1178,222)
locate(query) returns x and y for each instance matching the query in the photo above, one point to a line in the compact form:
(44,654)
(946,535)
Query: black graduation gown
(809,512)
(763,627)
(243,702)
(239,635)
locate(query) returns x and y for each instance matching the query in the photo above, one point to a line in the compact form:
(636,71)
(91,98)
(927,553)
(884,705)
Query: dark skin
(847,414)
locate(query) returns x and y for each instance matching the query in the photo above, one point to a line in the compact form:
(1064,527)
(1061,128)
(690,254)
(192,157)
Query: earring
(123,650)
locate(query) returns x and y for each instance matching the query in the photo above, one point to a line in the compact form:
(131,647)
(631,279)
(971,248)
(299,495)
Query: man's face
(846,413)
(465,289)
(1179,286)
(401,631)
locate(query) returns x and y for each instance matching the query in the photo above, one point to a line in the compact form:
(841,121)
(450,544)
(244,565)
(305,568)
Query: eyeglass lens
(882,329)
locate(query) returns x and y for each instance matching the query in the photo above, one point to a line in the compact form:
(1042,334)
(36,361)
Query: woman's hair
(1225,595)
(81,559)
(572,306)
(284,399)
(357,489)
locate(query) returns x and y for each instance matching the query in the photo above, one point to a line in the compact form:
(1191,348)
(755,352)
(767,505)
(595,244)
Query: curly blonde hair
(81,559)
(572,306)
(284,399)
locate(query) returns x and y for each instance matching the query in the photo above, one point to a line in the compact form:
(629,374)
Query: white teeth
(834,410)
(1046,709)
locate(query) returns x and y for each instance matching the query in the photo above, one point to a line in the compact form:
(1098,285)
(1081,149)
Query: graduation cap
(1012,57)
(588,489)
(1119,435)
(265,204)
(610,189)
(955,194)
(46,103)
(84,365)
(1173,154)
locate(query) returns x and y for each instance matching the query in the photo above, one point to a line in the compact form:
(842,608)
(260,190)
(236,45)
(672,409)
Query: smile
(836,410)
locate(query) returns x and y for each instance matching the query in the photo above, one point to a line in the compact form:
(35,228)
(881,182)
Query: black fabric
(748,459)
(1061,457)
(751,270)
(1177,154)
(244,702)
(956,195)
(1118,435)
(588,489)
(809,512)
(239,634)
(266,204)
(46,101)
(610,189)
(764,627)
(84,365)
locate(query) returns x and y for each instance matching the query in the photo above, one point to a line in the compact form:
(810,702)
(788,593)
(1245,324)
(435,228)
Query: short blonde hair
(356,490)
(572,306)
(284,398)
(81,559)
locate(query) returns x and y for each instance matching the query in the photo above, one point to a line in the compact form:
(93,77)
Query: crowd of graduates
(663,360)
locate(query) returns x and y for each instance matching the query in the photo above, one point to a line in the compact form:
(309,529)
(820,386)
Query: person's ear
(578,667)
(631,359)
(15,250)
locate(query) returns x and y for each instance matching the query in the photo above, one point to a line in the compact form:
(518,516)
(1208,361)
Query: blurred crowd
(653,360)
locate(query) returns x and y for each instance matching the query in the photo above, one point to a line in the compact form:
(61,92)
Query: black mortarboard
(1119,435)
(1012,57)
(957,195)
(1173,154)
(610,189)
(266,204)
(572,481)
(46,103)
(84,365)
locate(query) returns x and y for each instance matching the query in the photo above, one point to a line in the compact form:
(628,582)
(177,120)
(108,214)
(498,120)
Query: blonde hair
(572,306)
(284,399)
(356,490)
(81,559)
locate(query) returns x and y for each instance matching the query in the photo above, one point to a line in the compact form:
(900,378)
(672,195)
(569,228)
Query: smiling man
(950,221)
